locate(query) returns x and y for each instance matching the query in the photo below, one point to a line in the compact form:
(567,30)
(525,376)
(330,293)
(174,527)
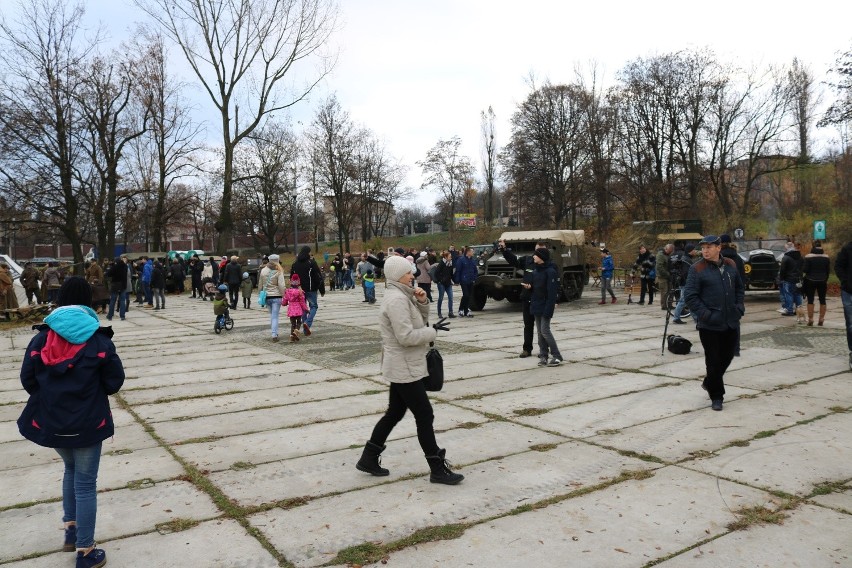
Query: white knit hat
(395,268)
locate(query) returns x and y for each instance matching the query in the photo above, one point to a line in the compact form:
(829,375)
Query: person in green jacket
(246,286)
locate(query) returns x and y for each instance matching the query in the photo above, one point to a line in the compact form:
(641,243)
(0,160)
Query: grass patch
(471,397)
(123,452)
(140,483)
(607,432)
(493,417)
(765,434)
(201,440)
(371,552)
(643,457)
(375,391)
(740,443)
(542,447)
(530,411)
(176,525)
(237,466)
(701,454)
(468,425)
(838,409)
(749,516)
(828,487)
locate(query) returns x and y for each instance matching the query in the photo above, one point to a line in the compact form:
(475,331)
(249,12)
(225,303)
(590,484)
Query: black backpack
(679,345)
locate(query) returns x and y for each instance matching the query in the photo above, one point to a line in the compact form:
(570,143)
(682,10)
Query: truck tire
(480,296)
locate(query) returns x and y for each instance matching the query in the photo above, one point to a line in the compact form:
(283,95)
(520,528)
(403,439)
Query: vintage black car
(761,269)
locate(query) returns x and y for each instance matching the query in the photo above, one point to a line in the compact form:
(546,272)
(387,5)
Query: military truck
(499,280)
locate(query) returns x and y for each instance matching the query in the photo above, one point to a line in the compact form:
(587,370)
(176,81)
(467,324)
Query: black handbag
(435,366)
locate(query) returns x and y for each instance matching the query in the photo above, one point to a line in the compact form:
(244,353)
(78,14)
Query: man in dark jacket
(527,264)
(789,275)
(311,277)
(117,276)
(178,275)
(233,277)
(544,294)
(465,276)
(196,267)
(715,294)
(843,269)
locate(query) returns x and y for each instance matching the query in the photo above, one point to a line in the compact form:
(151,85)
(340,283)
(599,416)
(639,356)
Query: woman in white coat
(273,280)
(405,341)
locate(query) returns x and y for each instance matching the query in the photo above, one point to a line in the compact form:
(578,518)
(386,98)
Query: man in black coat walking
(843,269)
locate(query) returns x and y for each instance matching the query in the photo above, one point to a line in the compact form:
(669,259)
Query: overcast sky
(415,72)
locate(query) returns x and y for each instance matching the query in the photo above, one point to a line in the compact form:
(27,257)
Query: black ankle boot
(441,472)
(371,461)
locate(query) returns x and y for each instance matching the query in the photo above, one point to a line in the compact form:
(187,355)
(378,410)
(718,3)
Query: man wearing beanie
(545,292)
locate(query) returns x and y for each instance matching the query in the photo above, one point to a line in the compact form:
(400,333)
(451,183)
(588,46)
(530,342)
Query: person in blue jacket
(465,276)
(715,294)
(147,272)
(70,368)
(607,268)
(545,293)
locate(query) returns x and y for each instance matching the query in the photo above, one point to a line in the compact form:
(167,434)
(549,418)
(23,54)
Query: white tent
(16,270)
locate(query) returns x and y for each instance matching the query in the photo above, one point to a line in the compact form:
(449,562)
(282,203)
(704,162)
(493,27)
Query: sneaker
(469,315)
(678,321)
(613,301)
(306,329)
(452,315)
(555,362)
(602,302)
(295,333)
(641,303)
(148,306)
(94,559)
(717,404)
(524,354)
(781,311)
(70,539)
(275,339)
(542,362)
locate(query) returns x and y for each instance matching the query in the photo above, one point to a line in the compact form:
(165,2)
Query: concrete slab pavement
(231,450)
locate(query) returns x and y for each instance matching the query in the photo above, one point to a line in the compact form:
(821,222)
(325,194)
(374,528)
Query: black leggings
(411,396)
(810,286)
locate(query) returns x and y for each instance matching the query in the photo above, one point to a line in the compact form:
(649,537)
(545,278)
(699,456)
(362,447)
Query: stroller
(208,287)
(221,311)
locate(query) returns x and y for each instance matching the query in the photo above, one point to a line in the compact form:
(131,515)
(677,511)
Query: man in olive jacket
(715,294)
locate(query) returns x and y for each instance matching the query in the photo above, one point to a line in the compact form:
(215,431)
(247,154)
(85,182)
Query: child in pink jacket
(297,306)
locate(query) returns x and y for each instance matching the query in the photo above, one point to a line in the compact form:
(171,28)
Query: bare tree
(42,56)
(265,189)
(446,170)
(166,153)
(242,52)
(378,184)
(746,127)
(333,147)
(840,111)
(489,160)
(110,122)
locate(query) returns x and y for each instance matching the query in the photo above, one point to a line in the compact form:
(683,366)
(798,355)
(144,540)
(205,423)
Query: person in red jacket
(69,370)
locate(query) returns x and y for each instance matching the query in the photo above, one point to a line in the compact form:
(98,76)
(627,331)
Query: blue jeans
(274,309)
(846,298)
(146,287)
(119,296)
(546,342)
(792,296)
(79,490)
(311,298)
(681,303)
(441,291)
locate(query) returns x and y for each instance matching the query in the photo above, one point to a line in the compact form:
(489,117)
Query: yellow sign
(465,220)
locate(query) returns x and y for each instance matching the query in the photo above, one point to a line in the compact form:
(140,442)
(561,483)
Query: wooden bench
(27,312)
